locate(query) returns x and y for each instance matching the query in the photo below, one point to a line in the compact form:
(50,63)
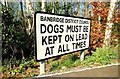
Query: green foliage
(25,67)
(17,43)
(0,28)
(38,6)
(55,65)
(77,63)
(49,7)
(115,34)
(1,67)
(65,62)
(66,9)
(101,56)
(57,7)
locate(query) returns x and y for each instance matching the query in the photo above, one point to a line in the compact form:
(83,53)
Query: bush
(102,56)
(65,62)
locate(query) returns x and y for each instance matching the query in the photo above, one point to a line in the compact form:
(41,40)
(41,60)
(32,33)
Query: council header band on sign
(61,20)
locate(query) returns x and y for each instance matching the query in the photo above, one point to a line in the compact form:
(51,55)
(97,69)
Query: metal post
(42,63)
(82,53)
(42,67)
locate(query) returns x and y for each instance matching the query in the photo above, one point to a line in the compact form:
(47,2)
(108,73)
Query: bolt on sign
(57,35)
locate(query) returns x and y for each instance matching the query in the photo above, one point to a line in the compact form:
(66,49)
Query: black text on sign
(58,35)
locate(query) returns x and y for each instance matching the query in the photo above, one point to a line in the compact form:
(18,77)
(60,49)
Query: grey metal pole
(42,63)
(42,67)
(82,53)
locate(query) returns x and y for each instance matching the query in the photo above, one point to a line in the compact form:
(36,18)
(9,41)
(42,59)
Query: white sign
(57,34)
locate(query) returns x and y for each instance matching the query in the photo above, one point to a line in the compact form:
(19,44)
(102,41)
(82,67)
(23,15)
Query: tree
(99,9)
(53,10)
(21,5)
(109,23)
(43,5)
(78,13)
(31,25)
(16,43)
(86,8)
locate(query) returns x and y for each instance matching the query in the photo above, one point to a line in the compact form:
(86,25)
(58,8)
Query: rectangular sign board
(57,35)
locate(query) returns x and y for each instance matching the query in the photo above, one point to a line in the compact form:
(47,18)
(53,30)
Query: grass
(102,56)
(65,62)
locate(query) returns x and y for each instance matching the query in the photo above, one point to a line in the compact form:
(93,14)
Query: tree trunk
(86,8)
(30,25)
(109,23)
(78,13)
(53,9)
(21,6)
(29,6)
(99,18)
(72,8)
(43,5)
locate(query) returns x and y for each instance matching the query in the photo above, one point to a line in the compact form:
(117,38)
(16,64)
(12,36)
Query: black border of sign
(57,15)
